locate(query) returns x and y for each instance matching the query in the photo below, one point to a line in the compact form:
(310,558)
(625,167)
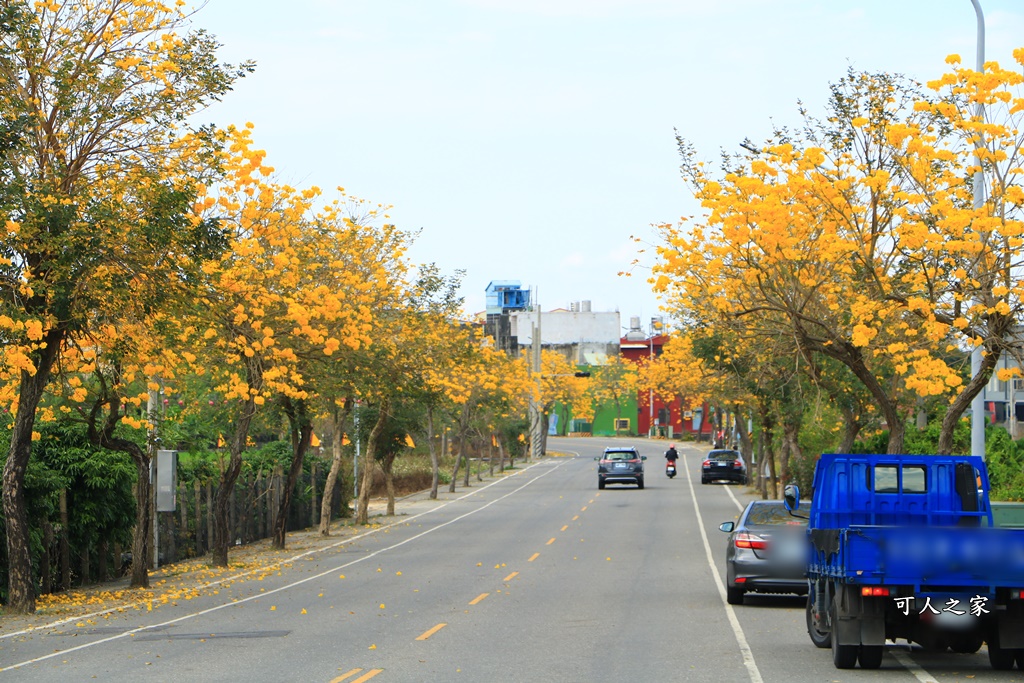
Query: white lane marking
(745,651)
(912,666)
(368,556)
(235,577)
(739,505)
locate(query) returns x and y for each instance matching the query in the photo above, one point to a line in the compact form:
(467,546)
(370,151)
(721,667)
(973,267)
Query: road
(533,577)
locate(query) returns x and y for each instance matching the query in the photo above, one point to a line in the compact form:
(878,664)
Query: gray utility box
(166,481)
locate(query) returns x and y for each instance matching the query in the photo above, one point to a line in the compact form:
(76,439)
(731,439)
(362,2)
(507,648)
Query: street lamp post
(978,403)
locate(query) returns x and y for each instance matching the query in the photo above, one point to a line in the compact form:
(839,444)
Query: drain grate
(211,636)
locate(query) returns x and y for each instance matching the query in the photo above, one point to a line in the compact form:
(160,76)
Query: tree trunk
(338,418)
(851,429)
(236,446)
(46,564)
(64,544)
(501,457)
(455,472)
(363,514)
(389,481)
(84,557)
(103,570)
(963,400)
(209,516)
(21,598)
(313,475)
(197,491)
(435,464)
(301,427)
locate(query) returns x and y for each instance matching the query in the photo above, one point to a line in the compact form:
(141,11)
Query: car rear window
(723,455)
(775,513)
(620,455)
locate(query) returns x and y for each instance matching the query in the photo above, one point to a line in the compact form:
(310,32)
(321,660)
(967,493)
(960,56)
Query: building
(656,415)
(999,395)
(584,336)
(504,298)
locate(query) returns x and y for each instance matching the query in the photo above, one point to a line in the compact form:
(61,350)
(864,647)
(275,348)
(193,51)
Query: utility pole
(537,403)
(978,403)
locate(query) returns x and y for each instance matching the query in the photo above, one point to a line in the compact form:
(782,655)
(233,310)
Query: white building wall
(567,327)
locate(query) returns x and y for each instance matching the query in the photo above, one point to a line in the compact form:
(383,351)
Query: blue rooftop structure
(506,295)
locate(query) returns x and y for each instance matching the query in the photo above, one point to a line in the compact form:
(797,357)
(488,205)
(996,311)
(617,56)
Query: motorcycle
(670,468)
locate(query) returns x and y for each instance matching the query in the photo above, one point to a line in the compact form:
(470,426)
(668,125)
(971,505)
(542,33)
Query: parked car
(620,466)
(723,464)
(767,550)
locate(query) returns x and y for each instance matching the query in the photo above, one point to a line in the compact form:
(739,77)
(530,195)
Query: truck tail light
(874,591)
(752,541)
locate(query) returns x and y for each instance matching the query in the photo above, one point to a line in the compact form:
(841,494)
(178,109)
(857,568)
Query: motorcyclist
(671,454)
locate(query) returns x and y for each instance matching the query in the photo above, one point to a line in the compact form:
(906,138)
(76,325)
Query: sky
(535,140)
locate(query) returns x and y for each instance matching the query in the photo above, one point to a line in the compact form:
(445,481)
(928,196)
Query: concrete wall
(582,336)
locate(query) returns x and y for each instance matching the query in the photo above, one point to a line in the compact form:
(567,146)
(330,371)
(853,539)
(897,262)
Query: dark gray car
(767,550)
(620,466)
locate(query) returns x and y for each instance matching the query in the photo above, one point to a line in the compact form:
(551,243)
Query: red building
(662,414)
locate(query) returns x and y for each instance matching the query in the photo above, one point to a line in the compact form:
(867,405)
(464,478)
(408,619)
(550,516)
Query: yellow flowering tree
(858,240)
(96,169)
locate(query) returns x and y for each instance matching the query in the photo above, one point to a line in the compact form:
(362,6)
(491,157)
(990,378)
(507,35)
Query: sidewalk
(186,579)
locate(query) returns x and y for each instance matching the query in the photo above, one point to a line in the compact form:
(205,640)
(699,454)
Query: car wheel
(640,483)
(600,484)
(843,656)
(703,480)
(734,596)
(870,656)
(820,639)
(965,644)
(1020,659)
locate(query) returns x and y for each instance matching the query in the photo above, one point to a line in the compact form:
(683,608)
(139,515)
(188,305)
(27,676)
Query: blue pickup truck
(904,547)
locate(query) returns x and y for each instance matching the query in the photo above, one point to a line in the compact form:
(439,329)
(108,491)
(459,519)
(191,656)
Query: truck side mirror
(791,496)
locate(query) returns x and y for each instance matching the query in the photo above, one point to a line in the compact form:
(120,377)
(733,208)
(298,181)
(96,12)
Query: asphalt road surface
(533,577)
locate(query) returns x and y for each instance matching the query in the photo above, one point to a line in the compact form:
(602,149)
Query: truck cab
(904,546)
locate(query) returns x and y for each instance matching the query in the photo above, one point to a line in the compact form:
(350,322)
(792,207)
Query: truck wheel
(1000,658)
(734,596)
(871,656)
(821,639)
(843,656)
(1020,659)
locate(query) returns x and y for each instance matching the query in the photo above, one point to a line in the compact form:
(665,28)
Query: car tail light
(752,541)
(1016,594)
(706,463)
(874,591)
(737,463)
(741,579)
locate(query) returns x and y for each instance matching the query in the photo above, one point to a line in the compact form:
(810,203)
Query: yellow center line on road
(533,557)
(431,632)
(369,674)
(550,542)
(345,675)
(575,517)
(565,527)
(584,509)
(591,501)
(510,576)
(478,598)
